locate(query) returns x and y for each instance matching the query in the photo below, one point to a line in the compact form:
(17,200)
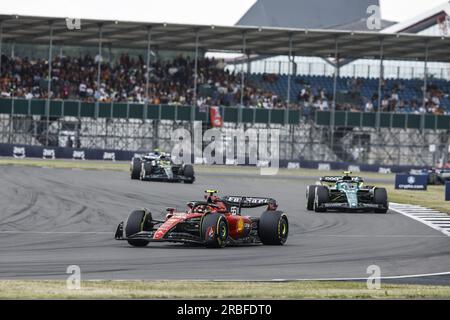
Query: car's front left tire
(310,194)
(136,222)
(135,168)
(321,197)
(214,230)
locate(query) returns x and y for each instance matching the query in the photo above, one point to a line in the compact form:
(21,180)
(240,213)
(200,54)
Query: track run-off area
(53,218)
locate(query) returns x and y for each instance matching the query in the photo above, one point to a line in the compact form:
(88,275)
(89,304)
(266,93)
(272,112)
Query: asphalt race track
(53,218)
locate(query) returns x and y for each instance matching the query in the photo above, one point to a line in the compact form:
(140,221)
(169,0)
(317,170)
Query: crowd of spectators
(170,82)
(391,101)
(317,98)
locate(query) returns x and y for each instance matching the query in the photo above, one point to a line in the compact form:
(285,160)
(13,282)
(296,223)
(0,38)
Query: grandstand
(170,82)
(408,93)
(147,79)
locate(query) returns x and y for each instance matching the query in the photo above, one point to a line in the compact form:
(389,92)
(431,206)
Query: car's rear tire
(137,221)
(188,172)
(214,230)
(380,197)
(273,228)
(321,196)
(310,194)
(135,168)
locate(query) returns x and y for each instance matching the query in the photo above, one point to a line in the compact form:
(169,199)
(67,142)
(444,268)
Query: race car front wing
(148,236)
(347,207)
(165,177)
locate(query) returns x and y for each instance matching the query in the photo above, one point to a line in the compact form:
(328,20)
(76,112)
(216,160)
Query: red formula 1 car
(214,222)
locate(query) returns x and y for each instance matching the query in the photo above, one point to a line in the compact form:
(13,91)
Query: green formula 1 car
(346,193)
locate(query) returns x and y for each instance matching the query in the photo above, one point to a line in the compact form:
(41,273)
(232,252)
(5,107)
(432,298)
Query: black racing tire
(146,170)
(135,168)
(440,180)
(321,196)
(177,169)
(214,230)
(433,178)
(380,197)
(310,194)
(136,222)
(188,172)
(273,228)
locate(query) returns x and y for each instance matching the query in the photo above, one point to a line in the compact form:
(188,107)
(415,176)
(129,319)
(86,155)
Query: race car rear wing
(330,179)
(248,202)
(334,179)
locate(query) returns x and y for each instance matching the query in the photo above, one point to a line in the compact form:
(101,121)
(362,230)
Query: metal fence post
(380,82)
(425,76)
(49,85)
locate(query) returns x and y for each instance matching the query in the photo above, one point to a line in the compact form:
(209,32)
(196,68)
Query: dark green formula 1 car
(346,193)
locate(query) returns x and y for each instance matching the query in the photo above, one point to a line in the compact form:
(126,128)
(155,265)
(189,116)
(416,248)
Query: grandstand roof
(267,41)
(318,14)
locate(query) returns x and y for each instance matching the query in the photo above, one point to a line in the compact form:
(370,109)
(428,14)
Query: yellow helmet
(211,192)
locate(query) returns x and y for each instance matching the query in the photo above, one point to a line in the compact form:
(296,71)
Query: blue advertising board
(447,191)
(411,182)
(38,151)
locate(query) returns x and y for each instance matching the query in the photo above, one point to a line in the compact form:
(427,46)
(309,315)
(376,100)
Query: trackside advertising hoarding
(447,191)
(21,151)
(411,182)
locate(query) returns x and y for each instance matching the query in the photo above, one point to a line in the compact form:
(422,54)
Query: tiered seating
(408,90)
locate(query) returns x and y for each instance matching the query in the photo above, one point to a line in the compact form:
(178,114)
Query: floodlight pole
(194,95)
(244,49)
(380,82)
(49,83)
(425,75)
(147,71)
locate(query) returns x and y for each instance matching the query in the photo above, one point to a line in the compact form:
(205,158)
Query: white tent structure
(431,22)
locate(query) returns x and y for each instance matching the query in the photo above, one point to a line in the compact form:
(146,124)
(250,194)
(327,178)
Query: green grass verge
(12,289)
(433,198)
(66,164)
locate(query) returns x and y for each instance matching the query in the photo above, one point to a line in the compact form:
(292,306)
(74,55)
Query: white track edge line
(424,275)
